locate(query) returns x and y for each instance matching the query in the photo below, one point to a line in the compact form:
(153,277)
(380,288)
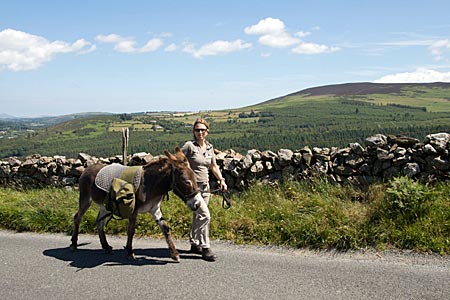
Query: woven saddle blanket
(106,175)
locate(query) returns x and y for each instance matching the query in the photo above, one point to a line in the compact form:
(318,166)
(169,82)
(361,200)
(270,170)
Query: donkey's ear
(180,155)
(170,155)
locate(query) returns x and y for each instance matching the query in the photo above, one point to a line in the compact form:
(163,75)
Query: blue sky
(61,57)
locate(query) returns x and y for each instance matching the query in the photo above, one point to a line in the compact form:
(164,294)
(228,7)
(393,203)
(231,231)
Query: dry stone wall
(380,158)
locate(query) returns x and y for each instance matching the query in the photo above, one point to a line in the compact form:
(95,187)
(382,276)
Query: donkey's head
(183,179)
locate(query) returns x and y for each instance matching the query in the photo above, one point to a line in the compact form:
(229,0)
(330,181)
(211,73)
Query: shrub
(408,199)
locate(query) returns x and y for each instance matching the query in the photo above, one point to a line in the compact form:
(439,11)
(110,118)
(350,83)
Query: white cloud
(128,44)
(406,43)
(125,46)
(302,34)
(110,38)
(216,48)
(440,48)
(281,40)
(418,76)
(269,26)
(21,51)
(273,33)
(91,49)
(172,47)
(165,34)
(311,48)
(152,45)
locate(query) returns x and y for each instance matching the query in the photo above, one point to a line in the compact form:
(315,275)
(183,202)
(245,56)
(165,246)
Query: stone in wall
(439,141)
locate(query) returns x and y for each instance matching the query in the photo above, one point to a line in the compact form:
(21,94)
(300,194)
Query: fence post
(125,135)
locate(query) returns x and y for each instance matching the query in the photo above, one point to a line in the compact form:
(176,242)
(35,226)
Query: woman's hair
(201,121)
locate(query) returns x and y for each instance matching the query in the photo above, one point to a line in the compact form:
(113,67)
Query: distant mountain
(63,118)
(6,116)
(362,90)
(8,121)
(365,88)
(49,120)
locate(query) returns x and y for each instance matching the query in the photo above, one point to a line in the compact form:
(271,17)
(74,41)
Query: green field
(292,121)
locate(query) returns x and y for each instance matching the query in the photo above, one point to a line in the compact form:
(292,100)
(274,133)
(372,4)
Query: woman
(200,154)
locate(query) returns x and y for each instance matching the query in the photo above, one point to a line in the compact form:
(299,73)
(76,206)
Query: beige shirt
(199,160)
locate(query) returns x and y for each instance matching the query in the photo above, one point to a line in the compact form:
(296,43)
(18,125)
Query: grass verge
(400,214)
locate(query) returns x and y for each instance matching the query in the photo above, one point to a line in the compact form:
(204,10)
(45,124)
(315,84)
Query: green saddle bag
(120,200)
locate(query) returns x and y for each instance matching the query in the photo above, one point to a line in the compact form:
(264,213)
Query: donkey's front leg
(156,213)
(130,234)
(166,231)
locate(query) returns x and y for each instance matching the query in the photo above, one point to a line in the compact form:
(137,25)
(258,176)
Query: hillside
(433,96)
(333,115)
(367,88)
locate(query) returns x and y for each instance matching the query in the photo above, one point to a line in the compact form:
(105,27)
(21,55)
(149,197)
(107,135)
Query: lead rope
(226,202)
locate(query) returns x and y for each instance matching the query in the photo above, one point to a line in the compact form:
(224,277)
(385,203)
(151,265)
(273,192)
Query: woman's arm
(216,171)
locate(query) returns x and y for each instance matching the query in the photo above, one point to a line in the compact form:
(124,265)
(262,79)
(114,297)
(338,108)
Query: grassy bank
(401,214)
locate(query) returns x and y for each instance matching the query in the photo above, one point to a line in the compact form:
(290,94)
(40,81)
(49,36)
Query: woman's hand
(223,185)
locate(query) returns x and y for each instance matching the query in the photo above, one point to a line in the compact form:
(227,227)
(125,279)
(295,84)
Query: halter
(176,189)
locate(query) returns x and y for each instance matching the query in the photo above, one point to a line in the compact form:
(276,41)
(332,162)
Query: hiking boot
(208,255)
(196,249)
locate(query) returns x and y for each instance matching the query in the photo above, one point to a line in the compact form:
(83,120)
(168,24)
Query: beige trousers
(201,218)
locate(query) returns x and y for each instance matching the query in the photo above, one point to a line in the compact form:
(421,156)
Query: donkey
(157,178)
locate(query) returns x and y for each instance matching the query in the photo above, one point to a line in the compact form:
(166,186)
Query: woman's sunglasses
(200,129)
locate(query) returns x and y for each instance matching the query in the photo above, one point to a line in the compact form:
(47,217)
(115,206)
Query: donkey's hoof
(175,258)
(73,247)
(108,249)
(131,257)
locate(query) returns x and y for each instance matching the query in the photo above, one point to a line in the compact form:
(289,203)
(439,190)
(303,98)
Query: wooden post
(125,135)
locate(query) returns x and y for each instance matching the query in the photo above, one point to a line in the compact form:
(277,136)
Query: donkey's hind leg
(100,222)
(83,205)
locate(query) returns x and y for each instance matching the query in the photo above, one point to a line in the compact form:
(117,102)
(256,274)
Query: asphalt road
(41,266)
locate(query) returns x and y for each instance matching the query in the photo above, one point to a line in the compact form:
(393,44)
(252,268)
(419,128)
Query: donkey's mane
(155,161)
